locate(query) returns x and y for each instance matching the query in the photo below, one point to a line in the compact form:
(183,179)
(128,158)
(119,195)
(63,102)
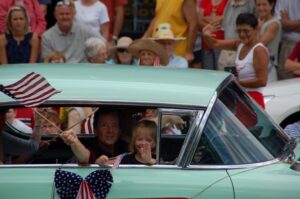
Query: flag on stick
(31,90)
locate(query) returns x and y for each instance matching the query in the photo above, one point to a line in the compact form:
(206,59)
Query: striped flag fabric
(32,90)
(85,191)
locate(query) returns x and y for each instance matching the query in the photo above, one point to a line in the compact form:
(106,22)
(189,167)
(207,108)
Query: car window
(238,132)
(175,125)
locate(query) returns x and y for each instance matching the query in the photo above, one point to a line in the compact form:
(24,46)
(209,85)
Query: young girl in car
(142,146)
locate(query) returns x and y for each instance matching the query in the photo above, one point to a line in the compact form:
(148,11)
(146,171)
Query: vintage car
(229,147)
(282,99)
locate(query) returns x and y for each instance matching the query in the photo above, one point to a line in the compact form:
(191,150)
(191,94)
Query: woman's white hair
(92,45)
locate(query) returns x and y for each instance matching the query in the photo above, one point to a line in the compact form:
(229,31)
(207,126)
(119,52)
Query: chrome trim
(87,102)
(175,111)
(189,140)
(189,152)
(240,166)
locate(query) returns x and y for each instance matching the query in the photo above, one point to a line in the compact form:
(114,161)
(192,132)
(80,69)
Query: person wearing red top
(211,11)
(34,10)
(116,12)
(293,61)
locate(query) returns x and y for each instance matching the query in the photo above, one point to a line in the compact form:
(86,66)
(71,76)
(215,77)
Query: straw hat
(123,42)
(164,32)
(147,44)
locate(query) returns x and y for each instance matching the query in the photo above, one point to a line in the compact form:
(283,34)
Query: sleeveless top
(171,12)
(245,67)
(18,52)
(273,45)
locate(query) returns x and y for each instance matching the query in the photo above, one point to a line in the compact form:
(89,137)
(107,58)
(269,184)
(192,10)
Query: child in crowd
(55,57)
(142,145)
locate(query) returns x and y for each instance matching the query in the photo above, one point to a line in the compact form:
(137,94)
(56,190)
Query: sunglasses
(122,50)
(64,3)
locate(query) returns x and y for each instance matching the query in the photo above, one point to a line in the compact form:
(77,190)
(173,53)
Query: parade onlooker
(93,14)
(293,61)
(211,11)
(66,36)
(18,44)
(165,36)
(182,16)
(293,129)
(116,14)
(288,14)
(120,53)
(55,57)
(95,50)
(252,56)
(44,4)
(270,33)
(37,22)
(232,10)
(149,53)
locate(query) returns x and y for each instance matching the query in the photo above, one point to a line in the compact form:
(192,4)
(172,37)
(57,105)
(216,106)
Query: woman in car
(18,44)
(252,56)
(149,53)
(10,145)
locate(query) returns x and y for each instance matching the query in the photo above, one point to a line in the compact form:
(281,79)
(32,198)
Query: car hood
(283,87)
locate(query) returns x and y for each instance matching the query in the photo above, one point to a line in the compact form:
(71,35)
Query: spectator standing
(120,53)
(252,56)
(288,14)
(95,50)
(211,11)
(93,14)
(232,10)
(182,16)
(165,36)
(44,4)
(66,36)
(270,33)
(293,61)
(35,13)
(18,44)
(116,14)
(149,53)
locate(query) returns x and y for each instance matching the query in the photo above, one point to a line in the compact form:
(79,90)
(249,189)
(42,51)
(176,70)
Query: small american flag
(31,90)
(156,61)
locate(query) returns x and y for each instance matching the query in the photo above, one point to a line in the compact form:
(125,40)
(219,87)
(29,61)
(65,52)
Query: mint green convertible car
(228,147)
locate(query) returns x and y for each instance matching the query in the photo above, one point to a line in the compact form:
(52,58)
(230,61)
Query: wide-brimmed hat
(123,42)
(164,32)
(147,44)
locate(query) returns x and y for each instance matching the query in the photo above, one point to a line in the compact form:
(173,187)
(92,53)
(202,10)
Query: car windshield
(238,132)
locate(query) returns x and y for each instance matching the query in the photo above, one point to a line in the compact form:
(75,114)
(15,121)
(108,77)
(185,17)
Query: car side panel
(275,181)
(158,183)
(33,183)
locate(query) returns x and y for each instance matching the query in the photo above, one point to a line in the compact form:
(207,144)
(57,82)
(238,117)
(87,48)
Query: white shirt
(91,16)
(293,8)
(177,62)
(245,66)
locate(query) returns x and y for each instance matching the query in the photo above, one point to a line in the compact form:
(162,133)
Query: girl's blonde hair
(9,16)
(49,57)
(135,132)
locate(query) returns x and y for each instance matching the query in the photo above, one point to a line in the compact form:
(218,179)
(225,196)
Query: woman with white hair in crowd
(95,50)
